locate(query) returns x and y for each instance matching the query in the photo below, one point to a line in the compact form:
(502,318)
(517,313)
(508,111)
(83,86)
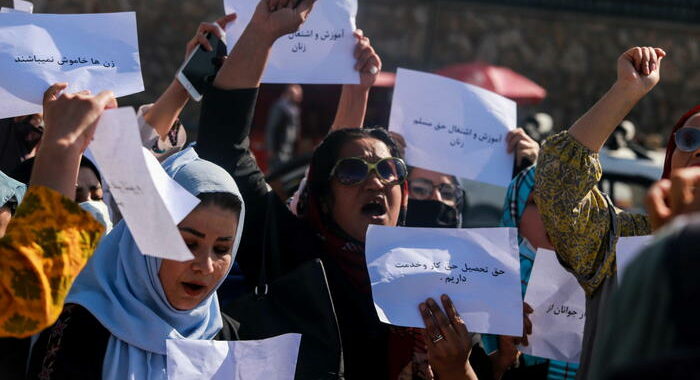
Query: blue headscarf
(11,190)
(121,288)
(516,200)
(513,208)
(517,194)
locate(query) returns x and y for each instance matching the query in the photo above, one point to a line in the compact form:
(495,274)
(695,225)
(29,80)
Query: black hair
(461,197)
(326,154)
(452,178)
(86,163)
(23,171)
(226,201)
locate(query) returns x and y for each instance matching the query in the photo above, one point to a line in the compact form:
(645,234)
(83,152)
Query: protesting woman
(580,221)
(125,305)
(356,178)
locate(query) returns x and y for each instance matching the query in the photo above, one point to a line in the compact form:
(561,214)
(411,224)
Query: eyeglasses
(687,139)
(354,170)
(421,189)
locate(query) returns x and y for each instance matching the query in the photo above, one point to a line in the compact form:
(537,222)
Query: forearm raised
(352,108)
(596,125)
(166,110)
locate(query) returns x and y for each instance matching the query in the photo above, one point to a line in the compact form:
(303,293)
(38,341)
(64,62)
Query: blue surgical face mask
(99,211)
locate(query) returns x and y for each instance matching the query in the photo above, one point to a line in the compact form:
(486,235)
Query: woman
(49,239)
(437,200)
(124,305)
(660,290)
(580,221)
(355,179)
(519,211)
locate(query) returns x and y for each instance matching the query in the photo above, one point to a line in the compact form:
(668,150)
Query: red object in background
(385,79)
(498,79)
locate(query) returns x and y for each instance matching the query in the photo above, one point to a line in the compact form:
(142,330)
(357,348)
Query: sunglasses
(422,189)
(687,139)
(354,170)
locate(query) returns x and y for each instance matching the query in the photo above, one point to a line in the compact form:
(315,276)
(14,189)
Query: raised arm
(227,108)
(579,221)
(245,66)
(638,71)
(227,114)
(161,116)
(50,238)
(352,106)
(70,123)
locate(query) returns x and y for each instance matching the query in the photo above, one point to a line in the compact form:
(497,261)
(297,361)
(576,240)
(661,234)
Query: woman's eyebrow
(192,231)
(226,238)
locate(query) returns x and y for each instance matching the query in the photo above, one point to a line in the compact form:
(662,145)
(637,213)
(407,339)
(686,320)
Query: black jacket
(224,128)
(74,347)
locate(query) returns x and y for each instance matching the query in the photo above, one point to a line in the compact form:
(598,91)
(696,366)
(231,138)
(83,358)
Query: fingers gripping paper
(559,315)
(453,127)
(320,52)
(151,202)
(93,52)
(477,268)
(273,358)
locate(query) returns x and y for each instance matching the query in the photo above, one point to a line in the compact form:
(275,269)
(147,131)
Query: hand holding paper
(477,268)
(150,201)
(448,340)
(70,124)
(453,127)
(320,52)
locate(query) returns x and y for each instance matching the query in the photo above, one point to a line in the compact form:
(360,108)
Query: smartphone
(201,67)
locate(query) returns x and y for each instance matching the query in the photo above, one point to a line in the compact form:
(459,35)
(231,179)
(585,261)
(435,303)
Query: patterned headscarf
(121,288)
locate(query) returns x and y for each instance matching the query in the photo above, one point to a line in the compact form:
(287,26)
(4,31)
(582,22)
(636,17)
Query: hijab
(671,146)
(121,288)
(345,251)
(517,195)
(11,191)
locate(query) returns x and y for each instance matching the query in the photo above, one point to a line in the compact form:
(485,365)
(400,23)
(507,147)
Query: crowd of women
(78,303)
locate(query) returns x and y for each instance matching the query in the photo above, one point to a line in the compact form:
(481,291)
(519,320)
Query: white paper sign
(150,201)
(453,127)
(24,6)
(321,52)
(93,52)
(628,248)
(273,358)
(478,268)
(559,315)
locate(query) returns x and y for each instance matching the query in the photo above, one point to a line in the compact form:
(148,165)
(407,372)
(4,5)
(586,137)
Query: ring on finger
(438,338)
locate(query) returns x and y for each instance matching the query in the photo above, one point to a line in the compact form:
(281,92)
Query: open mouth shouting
(194,289)
(375,209)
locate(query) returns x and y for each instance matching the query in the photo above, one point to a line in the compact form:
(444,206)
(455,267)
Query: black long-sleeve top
(225,124)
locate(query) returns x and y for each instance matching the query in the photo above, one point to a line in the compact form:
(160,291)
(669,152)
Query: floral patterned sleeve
(575,212)
(48,242)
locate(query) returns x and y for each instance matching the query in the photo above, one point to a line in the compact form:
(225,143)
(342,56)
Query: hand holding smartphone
(201,67)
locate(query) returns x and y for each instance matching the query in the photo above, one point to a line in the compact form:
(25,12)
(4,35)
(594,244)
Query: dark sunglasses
(421,189)
(687,139)
(354,170)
